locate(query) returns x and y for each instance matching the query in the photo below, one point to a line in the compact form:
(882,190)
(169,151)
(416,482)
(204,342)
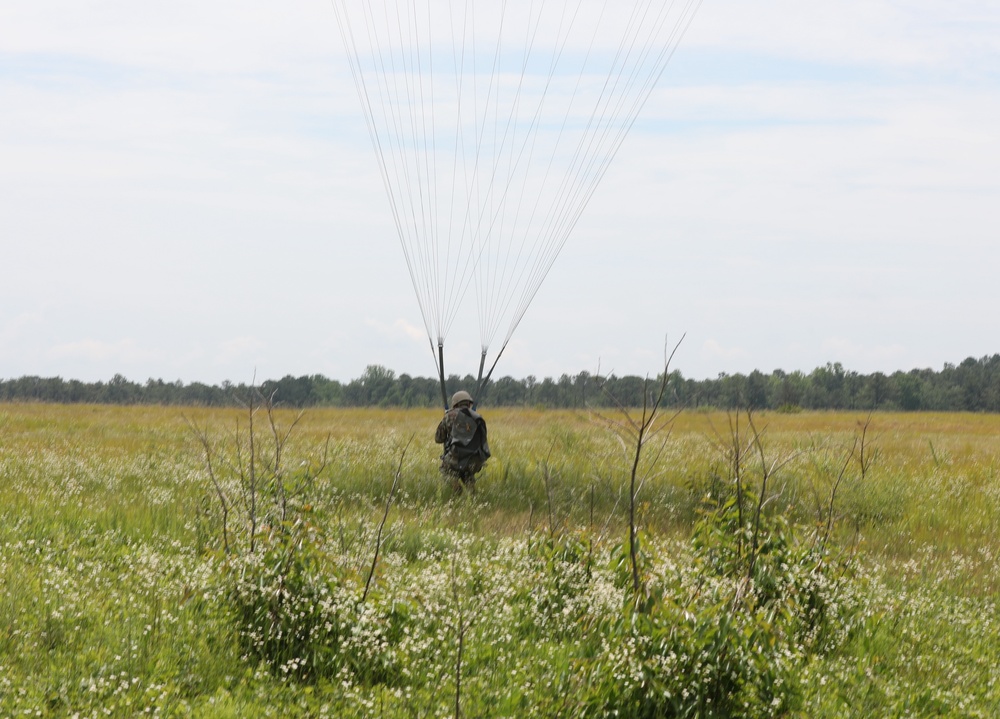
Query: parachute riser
(479,380)
(483,381)
(444,389)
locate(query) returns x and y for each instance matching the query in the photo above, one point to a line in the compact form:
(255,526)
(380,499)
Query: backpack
(468,446)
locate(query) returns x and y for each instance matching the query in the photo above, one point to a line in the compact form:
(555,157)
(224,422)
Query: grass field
(118,596)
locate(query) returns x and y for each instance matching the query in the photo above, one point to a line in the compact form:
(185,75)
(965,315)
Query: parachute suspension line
(640,99)
(491,108)
(469,40)
(481,238)
(505,295)
(503,278)
(575,178)
(536,124)
(399,168)
(430,155)
(663,59)
(489,279)
(556,237)
(505,145)
(390,100)
(418,130)
(473,223)
(558,232)
(601,163)
(357,73)
(459,63)
(477,241)
(450,297)
(456,273)
(417,100)
(608,140)
(545,257)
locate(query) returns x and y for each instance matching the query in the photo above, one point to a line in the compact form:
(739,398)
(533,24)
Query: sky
(187,193)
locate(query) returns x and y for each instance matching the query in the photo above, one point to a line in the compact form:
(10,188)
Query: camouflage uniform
(449,468)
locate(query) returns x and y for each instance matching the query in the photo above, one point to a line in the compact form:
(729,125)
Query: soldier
(462,431)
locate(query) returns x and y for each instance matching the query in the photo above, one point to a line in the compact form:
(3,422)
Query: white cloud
(18,326)
(236,348)
(712,349)
(942,34)
(861,357)
(228,36)
(397,330)
(185,35)
(126,351)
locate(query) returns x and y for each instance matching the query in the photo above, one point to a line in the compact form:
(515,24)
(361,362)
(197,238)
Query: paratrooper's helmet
(459,397)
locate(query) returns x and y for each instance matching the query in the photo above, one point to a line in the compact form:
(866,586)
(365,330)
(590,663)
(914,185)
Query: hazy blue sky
(187,192)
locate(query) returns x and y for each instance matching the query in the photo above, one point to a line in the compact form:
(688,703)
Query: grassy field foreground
(134,581)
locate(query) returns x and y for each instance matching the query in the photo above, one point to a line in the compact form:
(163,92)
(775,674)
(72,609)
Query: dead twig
(385,516)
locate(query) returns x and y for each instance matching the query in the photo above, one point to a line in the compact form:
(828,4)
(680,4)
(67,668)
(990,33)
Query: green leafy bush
(725,635)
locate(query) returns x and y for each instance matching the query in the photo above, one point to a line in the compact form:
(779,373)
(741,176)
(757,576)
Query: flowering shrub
(302,618)
(800,583)
(721,636)
(289,615)
(555,602)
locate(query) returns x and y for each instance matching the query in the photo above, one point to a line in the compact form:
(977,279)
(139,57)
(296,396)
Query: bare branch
(385,516)
(206,444)
(638,431)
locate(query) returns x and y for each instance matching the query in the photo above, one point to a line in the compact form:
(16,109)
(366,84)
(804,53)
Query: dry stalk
(635,432)
(385,516)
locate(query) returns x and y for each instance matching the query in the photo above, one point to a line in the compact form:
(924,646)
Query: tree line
(972,386)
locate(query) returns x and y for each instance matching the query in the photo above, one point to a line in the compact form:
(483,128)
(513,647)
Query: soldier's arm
(441,435)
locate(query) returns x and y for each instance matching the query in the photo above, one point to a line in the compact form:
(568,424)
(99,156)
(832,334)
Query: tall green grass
(115,597)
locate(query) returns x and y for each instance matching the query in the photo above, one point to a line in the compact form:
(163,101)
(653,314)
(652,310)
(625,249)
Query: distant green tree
(506,391)
(910,389)
(757,391)
(529,384)
(547,393)
(372,387)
